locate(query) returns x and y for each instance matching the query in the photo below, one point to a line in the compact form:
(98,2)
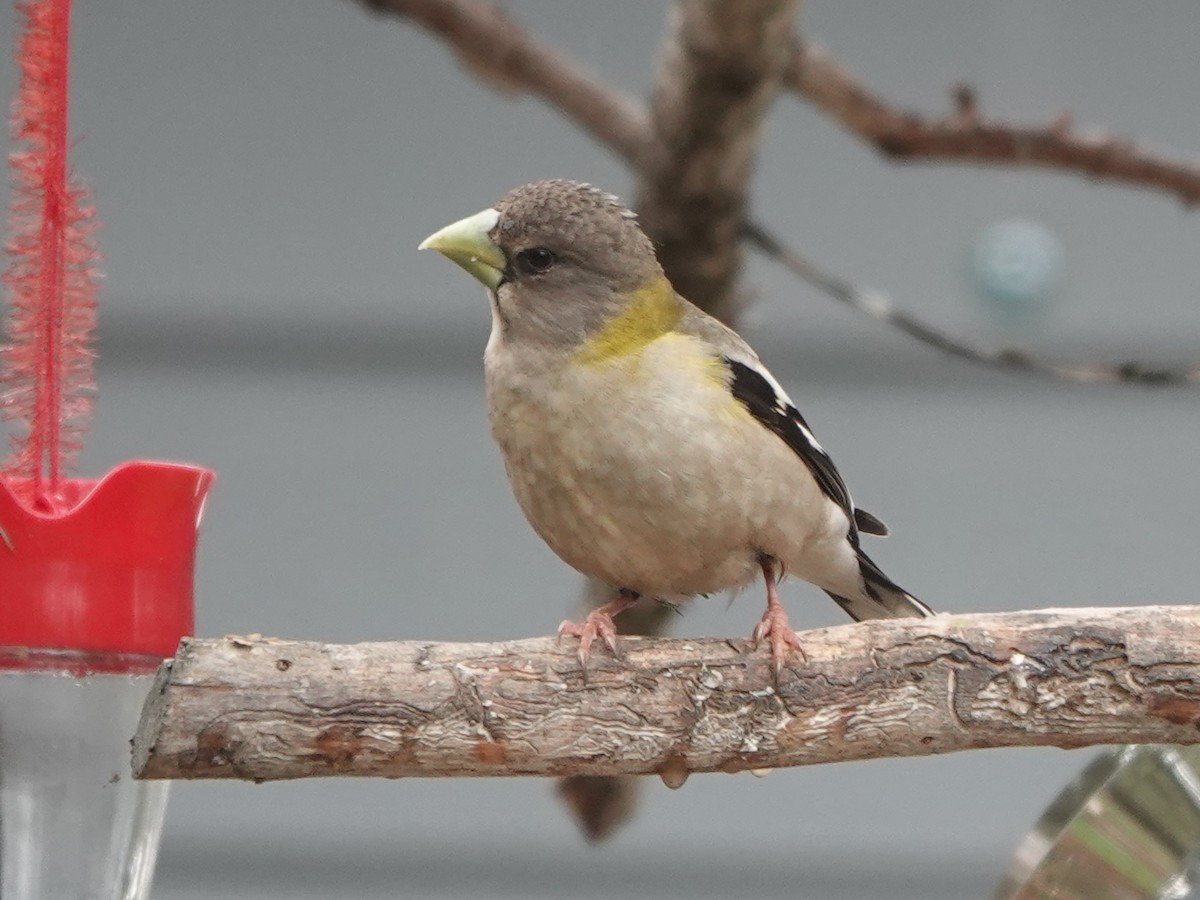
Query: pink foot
(774,626)
(598,624)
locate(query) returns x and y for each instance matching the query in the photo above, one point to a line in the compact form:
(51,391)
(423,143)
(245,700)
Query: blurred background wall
(264,172)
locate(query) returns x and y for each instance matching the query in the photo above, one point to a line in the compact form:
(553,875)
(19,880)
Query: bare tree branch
(501,53)
(879,306)
(262,709)
(721,66)
(504,55)
(966,136)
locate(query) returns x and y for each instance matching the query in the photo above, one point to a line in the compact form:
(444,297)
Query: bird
(645,441)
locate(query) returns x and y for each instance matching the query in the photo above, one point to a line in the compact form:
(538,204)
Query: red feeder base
(110,574)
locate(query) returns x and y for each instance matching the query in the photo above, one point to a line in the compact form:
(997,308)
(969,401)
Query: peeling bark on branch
(262,709)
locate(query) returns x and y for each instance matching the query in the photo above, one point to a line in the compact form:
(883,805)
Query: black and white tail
(881,598)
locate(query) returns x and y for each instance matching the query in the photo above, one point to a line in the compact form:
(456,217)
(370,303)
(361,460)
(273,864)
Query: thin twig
(879,306)
(262,709)
(966,136)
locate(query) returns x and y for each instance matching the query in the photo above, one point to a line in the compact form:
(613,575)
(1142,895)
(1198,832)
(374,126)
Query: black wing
(768,406)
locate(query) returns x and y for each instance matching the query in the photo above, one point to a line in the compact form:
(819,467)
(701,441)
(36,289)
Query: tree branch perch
(263,709)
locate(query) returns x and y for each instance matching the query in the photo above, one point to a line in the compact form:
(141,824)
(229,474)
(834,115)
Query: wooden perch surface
(262,709)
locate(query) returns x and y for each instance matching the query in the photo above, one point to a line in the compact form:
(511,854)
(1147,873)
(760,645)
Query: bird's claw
(774,626)
(598,624)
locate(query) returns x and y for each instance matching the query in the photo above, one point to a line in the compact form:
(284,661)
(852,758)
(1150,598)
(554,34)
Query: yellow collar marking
(652,311)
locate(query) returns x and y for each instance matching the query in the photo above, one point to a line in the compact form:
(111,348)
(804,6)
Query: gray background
(264,172)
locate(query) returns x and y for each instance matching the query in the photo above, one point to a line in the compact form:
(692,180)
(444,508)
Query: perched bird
(645,441)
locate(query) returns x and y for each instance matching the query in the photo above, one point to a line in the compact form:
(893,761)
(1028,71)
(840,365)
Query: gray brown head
(559,258)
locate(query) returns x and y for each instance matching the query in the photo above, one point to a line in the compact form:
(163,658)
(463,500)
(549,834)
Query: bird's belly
(615,504)
(663,494)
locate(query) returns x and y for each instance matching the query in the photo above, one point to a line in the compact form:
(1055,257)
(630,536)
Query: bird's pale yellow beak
(466,243)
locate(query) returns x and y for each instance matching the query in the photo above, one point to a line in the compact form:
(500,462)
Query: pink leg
(599,624)
(774,623)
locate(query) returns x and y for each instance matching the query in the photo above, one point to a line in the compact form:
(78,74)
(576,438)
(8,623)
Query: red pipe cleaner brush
(51,278)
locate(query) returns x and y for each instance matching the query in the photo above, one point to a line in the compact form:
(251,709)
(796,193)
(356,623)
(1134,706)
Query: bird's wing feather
(755,388)
(751,387)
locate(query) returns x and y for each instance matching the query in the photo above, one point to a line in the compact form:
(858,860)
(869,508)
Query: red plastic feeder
(110,576)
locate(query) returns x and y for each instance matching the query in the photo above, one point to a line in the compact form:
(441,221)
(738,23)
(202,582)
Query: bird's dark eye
(535,260)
